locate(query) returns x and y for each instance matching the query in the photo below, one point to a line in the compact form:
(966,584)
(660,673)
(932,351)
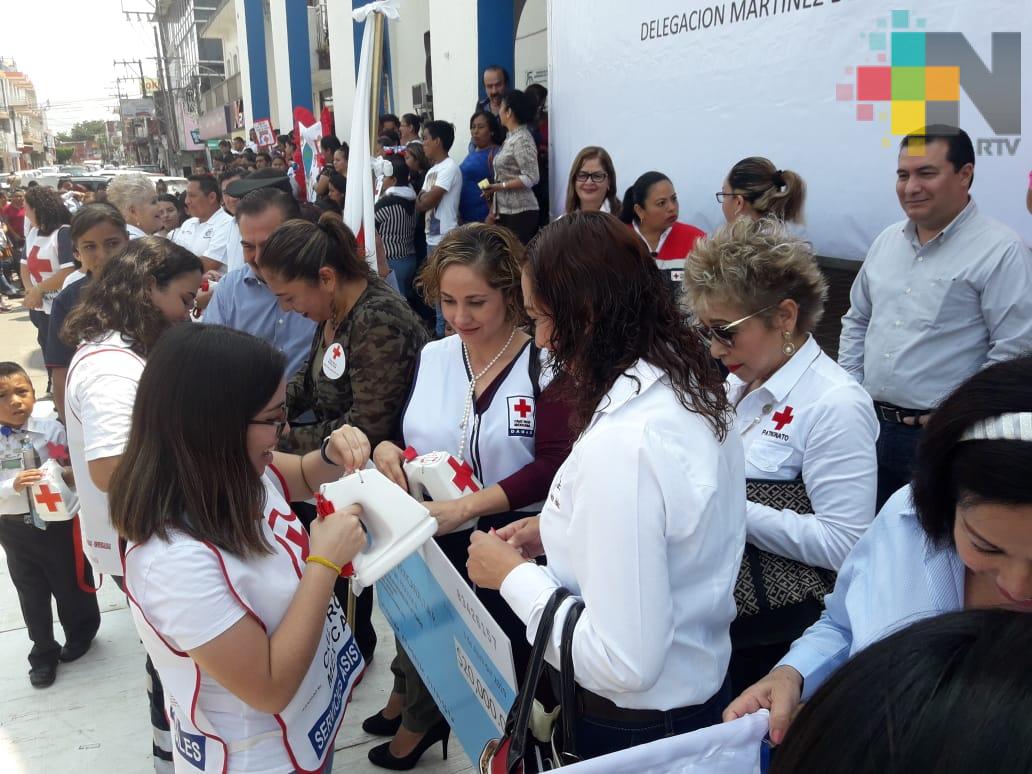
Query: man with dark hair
(389,123)
(940,296)
(238,146)
(496,86)
(242,300)
(205,232)
(439,197)
(410,124)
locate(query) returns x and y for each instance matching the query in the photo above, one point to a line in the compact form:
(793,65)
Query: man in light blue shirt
(939,296)
(242,300)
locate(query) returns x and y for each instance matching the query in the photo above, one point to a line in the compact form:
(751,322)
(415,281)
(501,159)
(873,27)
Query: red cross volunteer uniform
(674,245)
(99,396)
(186,592)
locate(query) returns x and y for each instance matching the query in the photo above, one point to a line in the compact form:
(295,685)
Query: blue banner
(460,652)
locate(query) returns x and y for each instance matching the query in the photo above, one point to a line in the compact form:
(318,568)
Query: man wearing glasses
(939,296)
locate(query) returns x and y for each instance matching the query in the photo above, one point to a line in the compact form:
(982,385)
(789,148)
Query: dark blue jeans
(595,737)
(897,452)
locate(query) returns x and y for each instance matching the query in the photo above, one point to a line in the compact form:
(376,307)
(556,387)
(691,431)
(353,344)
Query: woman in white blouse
(960,536)
(516,172)
(645,521)
(808,430)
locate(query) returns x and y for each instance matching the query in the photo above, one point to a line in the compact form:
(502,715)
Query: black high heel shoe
(378,725)
(381,755)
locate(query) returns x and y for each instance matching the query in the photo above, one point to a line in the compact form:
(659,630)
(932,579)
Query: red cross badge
(782,418)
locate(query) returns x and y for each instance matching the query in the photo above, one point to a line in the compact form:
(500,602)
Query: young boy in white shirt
(42,562)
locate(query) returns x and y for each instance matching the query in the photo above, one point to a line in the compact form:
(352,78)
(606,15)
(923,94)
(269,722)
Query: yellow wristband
(324,562)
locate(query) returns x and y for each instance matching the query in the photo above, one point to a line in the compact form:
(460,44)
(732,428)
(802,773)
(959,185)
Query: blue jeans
(595,737)
(897,452)
(405,272)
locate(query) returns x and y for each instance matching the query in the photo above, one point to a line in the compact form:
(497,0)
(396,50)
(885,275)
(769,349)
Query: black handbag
(521,750)
(777,597)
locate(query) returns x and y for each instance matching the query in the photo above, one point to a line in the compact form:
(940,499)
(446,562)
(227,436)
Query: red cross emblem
(522,408)
(463,475)
(298,537)
(782,418)
(37,265)
(48,498)
(337,351)
(57,452)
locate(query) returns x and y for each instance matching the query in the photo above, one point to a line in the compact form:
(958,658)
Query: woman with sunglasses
(650,207)
(959,537)
(232,597)
(808,429)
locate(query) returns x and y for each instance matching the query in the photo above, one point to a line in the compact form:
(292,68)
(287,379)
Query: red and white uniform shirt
(674,245)
(184,593)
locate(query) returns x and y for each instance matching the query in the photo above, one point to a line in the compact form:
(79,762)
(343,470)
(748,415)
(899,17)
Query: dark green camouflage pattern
(382,338)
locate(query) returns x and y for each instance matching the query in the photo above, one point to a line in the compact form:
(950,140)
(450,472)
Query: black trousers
(42,566)
(365,634)
(524,224)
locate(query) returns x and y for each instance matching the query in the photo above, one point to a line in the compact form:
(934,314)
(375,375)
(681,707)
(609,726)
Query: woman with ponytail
(650,207)
(363,355)
(756,189)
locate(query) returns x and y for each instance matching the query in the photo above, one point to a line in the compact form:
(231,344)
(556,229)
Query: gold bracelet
(324,562)
(304,478)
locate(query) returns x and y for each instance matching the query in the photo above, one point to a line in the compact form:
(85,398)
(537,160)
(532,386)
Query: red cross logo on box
(782,418)
(463,475)
(50,499)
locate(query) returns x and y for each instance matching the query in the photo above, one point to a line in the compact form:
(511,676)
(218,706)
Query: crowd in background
(697,471)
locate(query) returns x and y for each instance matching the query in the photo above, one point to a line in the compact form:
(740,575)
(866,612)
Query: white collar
(659,245)
(401,191)
(629,385)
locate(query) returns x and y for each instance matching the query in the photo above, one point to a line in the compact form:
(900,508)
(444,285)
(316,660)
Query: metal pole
(379,22)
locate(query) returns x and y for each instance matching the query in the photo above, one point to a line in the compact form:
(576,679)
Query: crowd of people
(696,470)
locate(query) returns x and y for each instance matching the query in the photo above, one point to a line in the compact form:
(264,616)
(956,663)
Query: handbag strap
(568,684)
(519,716)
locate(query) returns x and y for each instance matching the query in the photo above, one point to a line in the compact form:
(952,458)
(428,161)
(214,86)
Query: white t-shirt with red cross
(43,259)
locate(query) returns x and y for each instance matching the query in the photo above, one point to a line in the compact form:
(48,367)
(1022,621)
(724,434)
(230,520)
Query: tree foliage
(84,130)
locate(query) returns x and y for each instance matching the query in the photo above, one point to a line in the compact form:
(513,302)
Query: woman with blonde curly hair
(808,429)
(484,396)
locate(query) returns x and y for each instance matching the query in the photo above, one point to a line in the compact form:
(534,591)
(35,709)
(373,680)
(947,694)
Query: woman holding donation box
(808,429)
(231,595)
(645,521)
(482,396)
(958,537)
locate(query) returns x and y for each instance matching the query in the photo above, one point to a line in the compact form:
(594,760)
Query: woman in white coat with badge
(808,429)
(645,521)
(486,397)
(231,596)
(958,537)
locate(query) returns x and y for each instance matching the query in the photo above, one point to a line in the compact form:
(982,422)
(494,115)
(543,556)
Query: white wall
(453,57)
(342,66)
(531,54)
(408,57)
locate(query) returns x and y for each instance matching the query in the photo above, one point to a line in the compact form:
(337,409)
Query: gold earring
(789,347)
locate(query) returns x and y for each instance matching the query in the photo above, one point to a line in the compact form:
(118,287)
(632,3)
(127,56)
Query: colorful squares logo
(913,93)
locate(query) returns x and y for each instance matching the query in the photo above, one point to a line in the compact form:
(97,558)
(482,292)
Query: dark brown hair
(298,249)
(186,465)
(49,209)
(592,152)
(609,308)
(119,300)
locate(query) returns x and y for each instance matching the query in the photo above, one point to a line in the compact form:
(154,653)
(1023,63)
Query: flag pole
(376,92)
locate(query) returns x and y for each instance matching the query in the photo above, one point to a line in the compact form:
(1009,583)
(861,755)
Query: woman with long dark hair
(231,596)
(645,521)
(958,537)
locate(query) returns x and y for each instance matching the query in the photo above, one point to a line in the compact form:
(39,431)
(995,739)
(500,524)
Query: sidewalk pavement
(94,718)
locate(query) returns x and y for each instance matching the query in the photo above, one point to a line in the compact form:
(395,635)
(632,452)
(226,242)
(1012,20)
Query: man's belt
(888,412)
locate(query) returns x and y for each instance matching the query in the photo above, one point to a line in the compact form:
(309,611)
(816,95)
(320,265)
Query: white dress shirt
(810,418)
(923,318)
(135,232)
(645,521)
(893,577)
(207,239)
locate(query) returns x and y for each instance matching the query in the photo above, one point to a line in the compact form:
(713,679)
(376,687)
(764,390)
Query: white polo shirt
(810,419)
(207,239)
(645,521)
(99,396)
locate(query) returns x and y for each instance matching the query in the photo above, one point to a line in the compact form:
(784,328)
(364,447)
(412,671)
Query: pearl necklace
(468,408)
